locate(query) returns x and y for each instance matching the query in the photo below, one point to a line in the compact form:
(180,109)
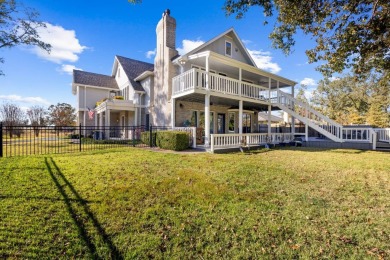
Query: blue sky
(88,34)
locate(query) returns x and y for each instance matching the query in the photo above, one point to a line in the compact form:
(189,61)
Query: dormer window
(228,48)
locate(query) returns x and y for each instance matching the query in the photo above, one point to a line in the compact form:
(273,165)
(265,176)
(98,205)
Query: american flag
(91,112)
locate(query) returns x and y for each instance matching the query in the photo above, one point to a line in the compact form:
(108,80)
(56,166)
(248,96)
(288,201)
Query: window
(246,123)
(119,73)
(194,118)
(202,121)
(228,48)
(231,121)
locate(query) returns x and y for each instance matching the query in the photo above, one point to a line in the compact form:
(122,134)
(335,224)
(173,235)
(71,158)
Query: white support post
(207,119)
(240,109)
(96,119)
(193,137)
(269,107)
(173,112)
(107,123)
(307,125)
(207,73)
(269,120)
(100,125)
(85,109)
(136,116)
(293,109)
(240,80)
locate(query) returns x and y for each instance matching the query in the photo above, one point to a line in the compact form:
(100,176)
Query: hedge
(170,140)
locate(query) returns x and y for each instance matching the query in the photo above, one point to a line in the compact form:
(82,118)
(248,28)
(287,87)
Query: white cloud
(246,42)
(67,68)
(263,61)
(65,45)
(27,100)
(308,82)
(188,45)
(150,54)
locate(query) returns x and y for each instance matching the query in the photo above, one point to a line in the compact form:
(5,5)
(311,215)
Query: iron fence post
(80,137)
(150,136)
(1,139)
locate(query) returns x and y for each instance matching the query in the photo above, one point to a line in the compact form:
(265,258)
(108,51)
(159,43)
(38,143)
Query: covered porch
(222,96)
(114,116)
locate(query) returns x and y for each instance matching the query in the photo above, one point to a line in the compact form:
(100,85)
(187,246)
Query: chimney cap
(167,12)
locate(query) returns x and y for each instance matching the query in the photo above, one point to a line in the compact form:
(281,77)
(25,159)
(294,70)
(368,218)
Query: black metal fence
(30,140)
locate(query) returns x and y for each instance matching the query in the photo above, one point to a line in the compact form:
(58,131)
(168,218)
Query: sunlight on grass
(134,203)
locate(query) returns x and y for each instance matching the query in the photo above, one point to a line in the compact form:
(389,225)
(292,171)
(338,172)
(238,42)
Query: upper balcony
(194,81)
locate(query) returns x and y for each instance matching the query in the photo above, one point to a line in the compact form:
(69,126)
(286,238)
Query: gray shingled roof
(134,68)
(93,79)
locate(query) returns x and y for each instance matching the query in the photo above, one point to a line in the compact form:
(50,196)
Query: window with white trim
(228,48)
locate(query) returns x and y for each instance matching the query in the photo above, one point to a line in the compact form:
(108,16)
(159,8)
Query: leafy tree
(350,101)
(37,116)
(61,114)
(379,112)
(12,116)
(19,26)
(348,33)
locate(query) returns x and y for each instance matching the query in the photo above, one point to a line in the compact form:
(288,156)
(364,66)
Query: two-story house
(216,87)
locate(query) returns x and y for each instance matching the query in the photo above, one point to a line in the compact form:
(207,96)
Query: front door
(221,123)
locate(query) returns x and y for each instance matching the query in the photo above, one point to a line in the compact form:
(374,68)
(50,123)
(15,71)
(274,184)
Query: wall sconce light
(181,105)
(112,94)
(236,49)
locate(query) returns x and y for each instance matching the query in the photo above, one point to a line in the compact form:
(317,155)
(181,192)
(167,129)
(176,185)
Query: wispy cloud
(189,45)
(65,45)
(150,54)
(246,42)
(26,100)
(68,68)
(308,82)
(263,60)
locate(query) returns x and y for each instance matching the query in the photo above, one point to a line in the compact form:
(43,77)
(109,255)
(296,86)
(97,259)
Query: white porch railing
(191,131)
(196,79)
(383,134)
(357,134)
(219,141)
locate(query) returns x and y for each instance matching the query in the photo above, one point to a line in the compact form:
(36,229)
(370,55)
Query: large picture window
(202,121)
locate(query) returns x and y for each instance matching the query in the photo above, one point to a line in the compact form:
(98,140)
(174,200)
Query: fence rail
(35,140)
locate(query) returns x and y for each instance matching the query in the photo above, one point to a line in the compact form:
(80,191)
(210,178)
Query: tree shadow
(77,206)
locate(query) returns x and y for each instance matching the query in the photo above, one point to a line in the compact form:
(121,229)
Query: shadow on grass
(74,206)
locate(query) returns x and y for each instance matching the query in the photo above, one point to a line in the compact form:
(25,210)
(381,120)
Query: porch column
(85,109)
(96,119)
(293,108)
(207,120)
(136,116)
(100,125)
(173,112)
(107,123)
(269,120)
(240,80)
(269,106)
(240,108)
(207,73)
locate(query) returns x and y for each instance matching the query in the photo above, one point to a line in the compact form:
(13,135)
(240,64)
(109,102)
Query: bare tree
(37,116)
(12,116)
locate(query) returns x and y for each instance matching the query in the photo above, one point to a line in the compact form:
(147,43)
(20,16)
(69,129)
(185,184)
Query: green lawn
(135,203)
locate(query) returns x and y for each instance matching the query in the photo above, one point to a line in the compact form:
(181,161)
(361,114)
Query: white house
(216,87)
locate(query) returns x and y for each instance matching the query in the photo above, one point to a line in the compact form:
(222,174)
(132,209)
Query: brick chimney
(164,70)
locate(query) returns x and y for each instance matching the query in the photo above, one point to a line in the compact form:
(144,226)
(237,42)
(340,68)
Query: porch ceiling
(227,102)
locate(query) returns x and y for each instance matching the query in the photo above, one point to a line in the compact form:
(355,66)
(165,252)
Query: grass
(135,203)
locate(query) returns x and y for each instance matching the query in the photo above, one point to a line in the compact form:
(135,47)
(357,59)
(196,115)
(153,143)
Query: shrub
(172,140)
(145,137)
